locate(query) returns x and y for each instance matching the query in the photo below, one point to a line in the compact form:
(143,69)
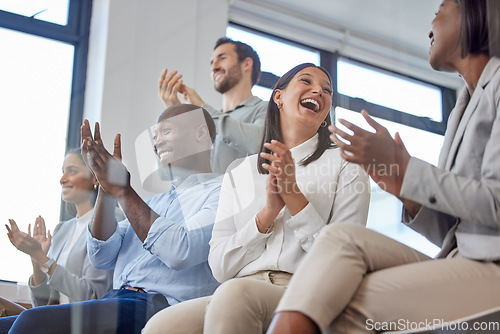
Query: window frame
(268,79)
(75,32)
(448,98)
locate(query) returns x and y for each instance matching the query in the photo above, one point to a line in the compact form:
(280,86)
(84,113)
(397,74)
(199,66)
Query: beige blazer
(461,197)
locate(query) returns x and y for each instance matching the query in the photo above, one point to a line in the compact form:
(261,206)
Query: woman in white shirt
(271,208)
(62,272)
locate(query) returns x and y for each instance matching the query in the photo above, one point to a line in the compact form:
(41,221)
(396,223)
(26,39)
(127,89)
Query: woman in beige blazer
(355,280)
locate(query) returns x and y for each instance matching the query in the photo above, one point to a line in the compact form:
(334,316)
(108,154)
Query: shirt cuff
(306,223)
(30,282)
(411,180)
(95,245)
(250,237)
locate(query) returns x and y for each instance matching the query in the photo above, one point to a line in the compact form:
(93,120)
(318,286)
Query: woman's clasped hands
(282,188)
(282,168)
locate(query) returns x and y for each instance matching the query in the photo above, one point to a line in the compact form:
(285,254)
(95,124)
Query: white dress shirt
(337,191)
(62,260)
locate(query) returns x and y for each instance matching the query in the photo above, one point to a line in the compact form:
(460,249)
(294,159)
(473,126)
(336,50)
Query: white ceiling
(402,23)
(388,33)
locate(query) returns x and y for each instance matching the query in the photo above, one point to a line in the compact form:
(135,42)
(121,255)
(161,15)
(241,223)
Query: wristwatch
(45,267)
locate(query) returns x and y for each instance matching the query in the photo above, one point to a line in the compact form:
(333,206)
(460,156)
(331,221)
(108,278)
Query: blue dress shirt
(172,260)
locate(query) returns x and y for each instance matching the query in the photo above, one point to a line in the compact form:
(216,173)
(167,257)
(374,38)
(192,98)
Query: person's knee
(30,316)
(341,231)
(159,321)
(33,313)
(154,325)
(185,317)
(232,295)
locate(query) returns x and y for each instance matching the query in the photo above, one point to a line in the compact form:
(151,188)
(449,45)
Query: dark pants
(118,311)
(6,323)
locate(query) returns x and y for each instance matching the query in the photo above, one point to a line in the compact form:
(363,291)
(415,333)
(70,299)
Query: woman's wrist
(261,227)
(39,258)
(295,202)
(265,220)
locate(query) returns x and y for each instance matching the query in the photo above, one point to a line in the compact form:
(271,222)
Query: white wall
(131,42)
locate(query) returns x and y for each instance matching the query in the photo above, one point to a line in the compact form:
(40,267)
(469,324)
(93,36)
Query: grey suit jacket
(79,280)
(461,197)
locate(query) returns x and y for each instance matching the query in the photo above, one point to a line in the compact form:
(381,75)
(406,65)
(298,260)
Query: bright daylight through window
(36,82)
(37,105)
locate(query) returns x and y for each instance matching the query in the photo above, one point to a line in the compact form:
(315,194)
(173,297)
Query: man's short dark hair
(244,51)
(179,109)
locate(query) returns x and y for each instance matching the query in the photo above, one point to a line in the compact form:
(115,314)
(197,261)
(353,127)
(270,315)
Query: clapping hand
(382,157)
(41,235)
(282,167)
(282,174)
(24,241)
(112,175)
(170,84)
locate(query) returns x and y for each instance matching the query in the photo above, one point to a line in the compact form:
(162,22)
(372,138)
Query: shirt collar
(85,218)
(305,149)
(251,101)
(196,179)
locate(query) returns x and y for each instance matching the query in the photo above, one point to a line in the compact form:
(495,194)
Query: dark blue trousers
(118,311)
(6,323)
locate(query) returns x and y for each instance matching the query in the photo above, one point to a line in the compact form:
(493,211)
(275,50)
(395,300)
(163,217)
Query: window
(389,90)
(55,11)
(271,51)
(416,109)
(391,96)
(43,79)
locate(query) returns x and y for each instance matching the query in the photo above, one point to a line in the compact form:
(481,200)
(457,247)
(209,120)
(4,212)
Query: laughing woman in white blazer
(62,272)
(272,206)
(357,281)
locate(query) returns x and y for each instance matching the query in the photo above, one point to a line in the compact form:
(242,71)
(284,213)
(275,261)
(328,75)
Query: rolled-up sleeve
(188,241)
(104,253)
